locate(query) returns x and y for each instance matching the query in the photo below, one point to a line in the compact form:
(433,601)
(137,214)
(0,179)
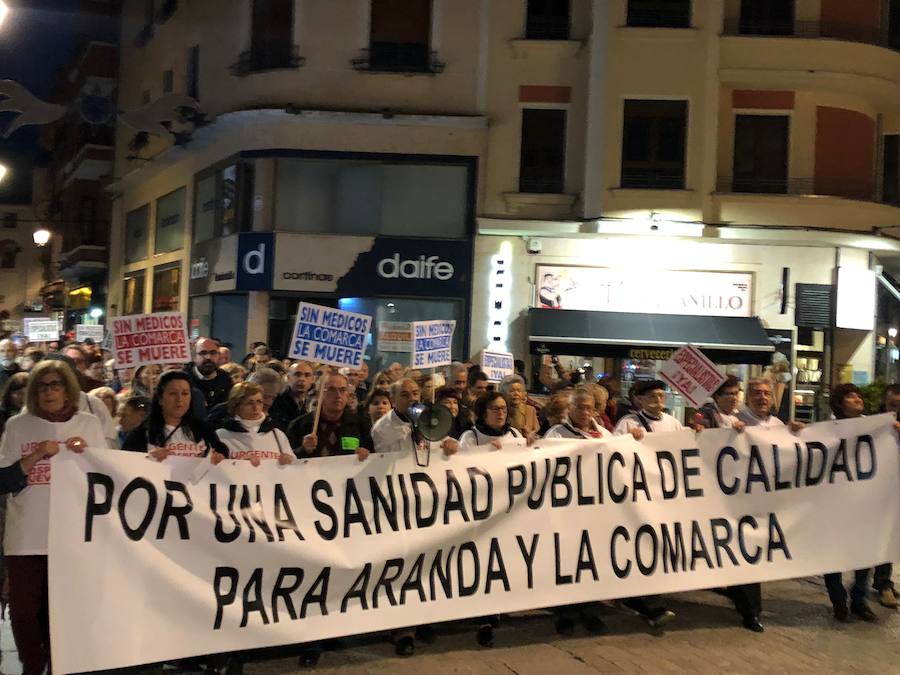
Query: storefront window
(349,196)
(166,287)
(221,201)
(200,316)
(205,209)
(170,222)
(133,293)
(136,233)
(390,315)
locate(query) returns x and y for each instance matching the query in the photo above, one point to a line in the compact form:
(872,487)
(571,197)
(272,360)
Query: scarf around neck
(63,415)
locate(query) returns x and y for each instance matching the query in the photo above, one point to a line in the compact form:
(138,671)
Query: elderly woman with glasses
(492,429)
(492,426)
(522,416)
(51,420)
(249,432)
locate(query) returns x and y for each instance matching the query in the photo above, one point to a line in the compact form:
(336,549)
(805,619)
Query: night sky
(37,38)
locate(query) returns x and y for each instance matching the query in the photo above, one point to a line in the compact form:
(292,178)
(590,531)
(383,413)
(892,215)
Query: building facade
(741,152)
(21,267)
(707,153)
(338,163)
(72,200)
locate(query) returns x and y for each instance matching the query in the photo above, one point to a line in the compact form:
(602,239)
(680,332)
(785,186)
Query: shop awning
(613,334)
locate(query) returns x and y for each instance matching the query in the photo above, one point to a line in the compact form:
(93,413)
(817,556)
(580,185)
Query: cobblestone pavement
(800,637)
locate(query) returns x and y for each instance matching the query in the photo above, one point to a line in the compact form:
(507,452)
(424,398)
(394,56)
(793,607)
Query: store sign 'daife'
(213,266)
(365,266)
(347,265)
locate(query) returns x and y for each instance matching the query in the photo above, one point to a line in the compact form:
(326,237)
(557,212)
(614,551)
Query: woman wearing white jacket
(491,431)
(52,419)
(249,433)
(492,427)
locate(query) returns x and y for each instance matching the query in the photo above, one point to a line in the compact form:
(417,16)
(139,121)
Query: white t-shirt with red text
(179,445)
(253,443)
(28,511)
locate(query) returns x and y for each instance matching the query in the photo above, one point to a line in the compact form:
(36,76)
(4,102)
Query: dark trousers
(28,610)
(882,577)
(747,598)
(834,582)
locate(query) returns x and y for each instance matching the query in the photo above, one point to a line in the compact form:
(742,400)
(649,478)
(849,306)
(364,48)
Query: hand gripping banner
(248,557)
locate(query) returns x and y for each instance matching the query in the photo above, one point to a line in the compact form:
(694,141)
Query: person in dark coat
(205,374)
(721,413)
(8,365)
(450,398)
(290,404)
(340,431)
(172,428)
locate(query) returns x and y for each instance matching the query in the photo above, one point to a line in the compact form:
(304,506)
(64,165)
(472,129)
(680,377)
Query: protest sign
(42,330)
(144,339)
(249,557)
(692,374)
(84,331)
(328,335)
(432,343)
(395,336)
(497,365)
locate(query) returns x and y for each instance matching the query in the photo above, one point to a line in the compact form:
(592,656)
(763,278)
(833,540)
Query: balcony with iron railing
(834,30)
(398,57)
(653,179)
(547,27)
(830,203)
(676,17)
(861,190)
(268,55)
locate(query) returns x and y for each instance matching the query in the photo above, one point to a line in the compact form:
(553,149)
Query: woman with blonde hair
(235,371)
(51,419)
(248,432)
(522,415)
(108,396)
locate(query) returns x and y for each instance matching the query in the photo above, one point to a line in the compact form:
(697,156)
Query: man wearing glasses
(393,432)
(206,375)
(339,431)
(651,415)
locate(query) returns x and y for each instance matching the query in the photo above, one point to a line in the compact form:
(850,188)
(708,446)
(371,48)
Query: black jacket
(6,374)
(708,416)
(13,479)
(350,427)
(285,410)
(137,441)
(214,391)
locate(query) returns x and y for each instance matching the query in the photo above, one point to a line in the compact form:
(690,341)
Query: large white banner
(250,557)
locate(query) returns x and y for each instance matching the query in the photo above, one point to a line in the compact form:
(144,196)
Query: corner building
(707,172)
(337,162)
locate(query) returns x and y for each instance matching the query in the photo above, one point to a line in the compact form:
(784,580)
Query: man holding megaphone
(395,432)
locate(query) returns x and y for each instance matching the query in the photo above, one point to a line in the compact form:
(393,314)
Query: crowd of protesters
(68,397)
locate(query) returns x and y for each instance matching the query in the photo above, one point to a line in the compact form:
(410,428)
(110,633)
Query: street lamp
(4,10)
(96,313)
(3,169)
(42,236)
